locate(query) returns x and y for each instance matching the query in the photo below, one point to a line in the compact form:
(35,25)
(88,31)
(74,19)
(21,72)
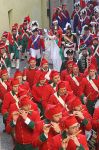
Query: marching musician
(46,130)
(30,72)
(22,120)
(89,89)
(70,138)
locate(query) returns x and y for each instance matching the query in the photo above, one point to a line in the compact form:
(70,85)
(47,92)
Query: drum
(92,140)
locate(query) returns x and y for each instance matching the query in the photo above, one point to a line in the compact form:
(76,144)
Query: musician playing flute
(70,138)
(22,120)
(48,128)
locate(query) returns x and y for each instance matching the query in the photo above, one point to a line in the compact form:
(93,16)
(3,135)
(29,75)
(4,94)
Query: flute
(69,137)
(27,111)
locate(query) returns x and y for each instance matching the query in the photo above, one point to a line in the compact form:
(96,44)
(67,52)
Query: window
(10,13)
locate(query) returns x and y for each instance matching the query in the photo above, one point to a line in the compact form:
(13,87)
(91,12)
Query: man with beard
(29,73)
(44,68)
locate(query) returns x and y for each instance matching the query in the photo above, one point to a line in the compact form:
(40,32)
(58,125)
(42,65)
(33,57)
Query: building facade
(12,11)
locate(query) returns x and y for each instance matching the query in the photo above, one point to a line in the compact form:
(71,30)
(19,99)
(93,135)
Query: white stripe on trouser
(35,53)
(12,55)
(17,63)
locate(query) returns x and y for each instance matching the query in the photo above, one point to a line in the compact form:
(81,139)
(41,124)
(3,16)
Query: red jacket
(87,117)
(42,93)
(3,89)
(23,132)
(29,74)
(64,74)
(8,100)
(87,90)
(37,137)
(56,143)
(37,75)
(54,101)
(73,84)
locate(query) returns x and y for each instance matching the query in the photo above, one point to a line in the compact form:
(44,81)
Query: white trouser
(12,55)
(35,53)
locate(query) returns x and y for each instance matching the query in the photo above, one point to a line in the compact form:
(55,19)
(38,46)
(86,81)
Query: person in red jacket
(70,138)
(89,89)
(10,98)
(75,79)
(23,84)
(61,96)
(44,68)
(4,83)
(81,113)
(55,79)
(29,73)
(49,128)
(68,70)
(95,123)
(23,122)
(41,93)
